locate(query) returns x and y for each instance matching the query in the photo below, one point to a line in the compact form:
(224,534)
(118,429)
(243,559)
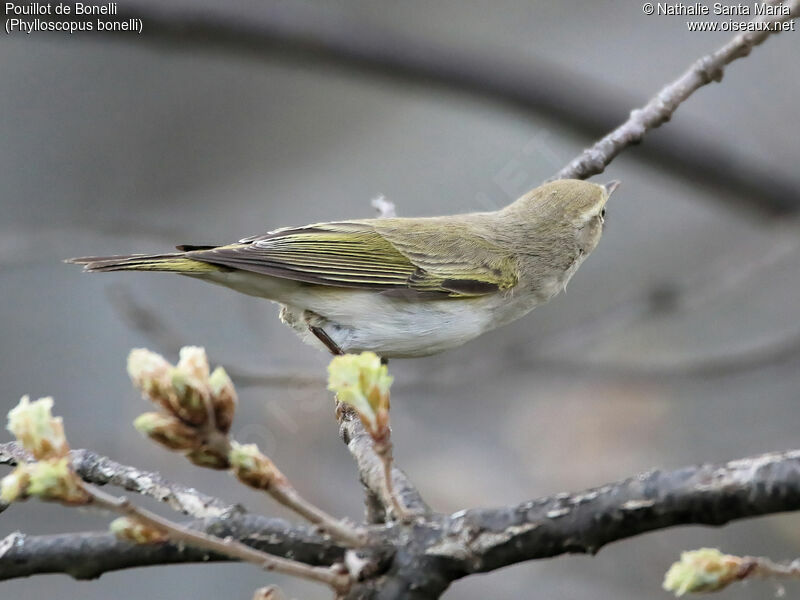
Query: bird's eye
(603,214)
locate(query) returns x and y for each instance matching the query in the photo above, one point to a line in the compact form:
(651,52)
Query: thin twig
(388,488)
(767,569)
(659,110)
(287,495)
(333,576)
(384,452)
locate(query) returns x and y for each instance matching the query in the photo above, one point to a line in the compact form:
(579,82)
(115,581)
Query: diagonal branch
(100,470)
(660,108)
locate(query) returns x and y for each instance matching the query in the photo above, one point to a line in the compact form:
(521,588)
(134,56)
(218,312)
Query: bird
(403,287)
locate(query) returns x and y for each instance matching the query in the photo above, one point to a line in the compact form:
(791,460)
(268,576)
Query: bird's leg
(323,337)
(309,318)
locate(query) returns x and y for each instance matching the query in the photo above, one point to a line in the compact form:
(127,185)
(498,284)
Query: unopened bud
(209,458)
(223,397)
(189,398)
(175,389)
(252,467)
(149,372)
(194,362)
(133,530)
(167,431)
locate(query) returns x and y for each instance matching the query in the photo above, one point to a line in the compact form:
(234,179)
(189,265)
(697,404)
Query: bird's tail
(174,262)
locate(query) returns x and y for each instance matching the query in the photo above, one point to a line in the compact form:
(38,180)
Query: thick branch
(443,548)
(487,539)
(89,555)
(100,470)
(660,108)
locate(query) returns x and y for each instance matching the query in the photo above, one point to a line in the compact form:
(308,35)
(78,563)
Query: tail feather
(174,262)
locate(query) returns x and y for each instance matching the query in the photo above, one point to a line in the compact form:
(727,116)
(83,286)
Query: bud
(252,467)
(150,373)
(182,390)
(223,397)
(54,479)
(361,381)
(209,458)
(703,570)
(133,530)
(188,399)
(193,362)
(39,432)
(14,486)
(167,431)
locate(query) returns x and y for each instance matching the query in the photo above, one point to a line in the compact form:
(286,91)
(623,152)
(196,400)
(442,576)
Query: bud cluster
(196,405)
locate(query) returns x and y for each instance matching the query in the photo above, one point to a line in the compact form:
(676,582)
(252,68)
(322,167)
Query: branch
(93,468)
(487,539)
(441,549)
(89,555)
(332,37)
(371,469)
(332,576)
(659,110)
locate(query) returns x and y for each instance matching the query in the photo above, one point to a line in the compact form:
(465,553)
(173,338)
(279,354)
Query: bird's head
(566,208)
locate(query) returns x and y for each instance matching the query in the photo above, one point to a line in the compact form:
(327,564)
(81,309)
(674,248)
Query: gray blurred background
(676,343)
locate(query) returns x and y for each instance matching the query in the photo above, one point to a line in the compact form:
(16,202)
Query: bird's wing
(372,254)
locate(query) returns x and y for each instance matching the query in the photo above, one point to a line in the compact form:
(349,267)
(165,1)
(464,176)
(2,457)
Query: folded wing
(372,254)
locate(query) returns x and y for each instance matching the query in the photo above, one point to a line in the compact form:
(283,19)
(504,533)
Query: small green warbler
(403,287)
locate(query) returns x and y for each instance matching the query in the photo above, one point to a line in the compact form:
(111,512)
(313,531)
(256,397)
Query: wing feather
(364,254)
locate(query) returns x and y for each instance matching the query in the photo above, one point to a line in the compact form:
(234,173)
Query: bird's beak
(611,186)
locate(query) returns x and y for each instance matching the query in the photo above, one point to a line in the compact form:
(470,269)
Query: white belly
(358,320)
